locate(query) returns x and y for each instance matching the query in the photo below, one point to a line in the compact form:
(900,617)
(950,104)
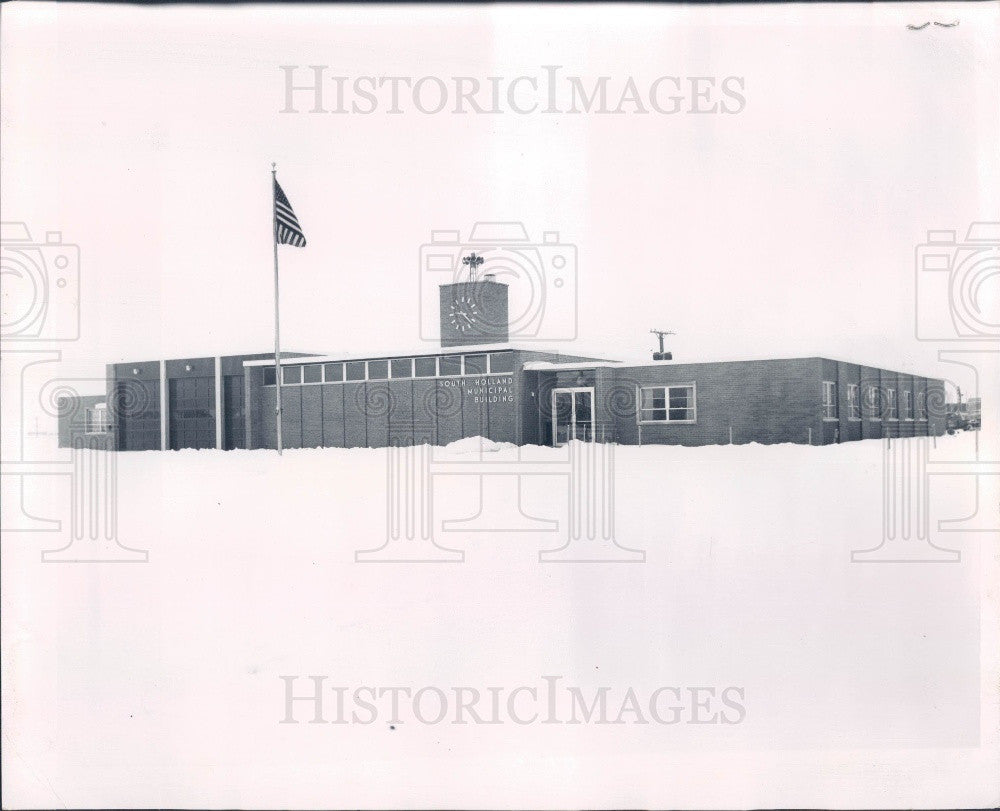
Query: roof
(426,350)
(644,362)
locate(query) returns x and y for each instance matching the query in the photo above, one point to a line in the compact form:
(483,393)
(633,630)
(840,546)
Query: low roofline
(639,363)
(422,352)
(552,366)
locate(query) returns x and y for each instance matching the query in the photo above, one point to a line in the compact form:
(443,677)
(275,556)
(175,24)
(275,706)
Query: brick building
(479,384)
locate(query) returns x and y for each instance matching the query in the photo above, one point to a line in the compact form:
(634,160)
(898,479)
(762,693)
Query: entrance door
(572,415)
(192,413)
(233,430)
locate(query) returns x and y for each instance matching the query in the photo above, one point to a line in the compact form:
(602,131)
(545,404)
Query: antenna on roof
(661,355)
(473,260)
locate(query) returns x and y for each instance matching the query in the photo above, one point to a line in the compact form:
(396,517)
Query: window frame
(907,406)
(104,422)
(853,403)
(830,386)
(486,364)
(875,403)
(461,365)
(334,363)
(368,368)
(305,382)
(489,362)
(921,406)
(457,359)
(364,366)
(422,376)
(893,405)
(693,386)
(401,377)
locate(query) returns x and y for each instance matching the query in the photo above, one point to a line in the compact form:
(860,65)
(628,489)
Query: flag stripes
(286,226)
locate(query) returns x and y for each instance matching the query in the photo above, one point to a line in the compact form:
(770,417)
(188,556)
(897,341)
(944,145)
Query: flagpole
(277,329)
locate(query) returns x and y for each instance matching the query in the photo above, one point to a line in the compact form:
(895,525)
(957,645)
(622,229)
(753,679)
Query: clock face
(462,313)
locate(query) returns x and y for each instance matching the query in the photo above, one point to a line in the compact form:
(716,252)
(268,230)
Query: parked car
(956,421)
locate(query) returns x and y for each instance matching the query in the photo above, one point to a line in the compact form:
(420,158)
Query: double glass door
(572,415)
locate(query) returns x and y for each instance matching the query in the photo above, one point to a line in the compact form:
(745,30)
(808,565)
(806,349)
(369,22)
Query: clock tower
(474,313)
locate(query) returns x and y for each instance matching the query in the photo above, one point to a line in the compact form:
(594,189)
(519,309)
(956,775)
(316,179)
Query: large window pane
(451,365)
(681,403)
(356,370)
(313,373)
(378,369)
(475,364)
(502,362)
(402,367)
(667,404)
(333,372)
(425,367)
(291,374)
(268,375)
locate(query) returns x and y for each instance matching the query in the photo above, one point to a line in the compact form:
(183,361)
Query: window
(333,372)
(667,404)
(96,419)
(892,409)
(874,400)
(291,375)
(402,367)
(907,405)
(502,362)
(829,400)
(853,405)
(922,405)
(475,364)
(378,369)
(425,367)
(268,375)
(313,373)
(356,370)
(451,365)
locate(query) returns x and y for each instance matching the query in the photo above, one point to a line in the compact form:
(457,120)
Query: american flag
(286,227)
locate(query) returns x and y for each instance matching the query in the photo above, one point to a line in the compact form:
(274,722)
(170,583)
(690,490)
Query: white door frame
(571,390)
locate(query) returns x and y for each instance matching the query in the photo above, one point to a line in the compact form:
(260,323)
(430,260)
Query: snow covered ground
(162,682)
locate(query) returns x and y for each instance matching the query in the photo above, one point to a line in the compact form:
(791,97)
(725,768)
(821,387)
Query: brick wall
(765,401)
(761,401)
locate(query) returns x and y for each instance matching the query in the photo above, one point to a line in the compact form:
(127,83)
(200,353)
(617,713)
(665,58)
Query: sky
(789,228)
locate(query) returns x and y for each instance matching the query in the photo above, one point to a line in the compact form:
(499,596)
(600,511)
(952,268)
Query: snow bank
(252,575)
